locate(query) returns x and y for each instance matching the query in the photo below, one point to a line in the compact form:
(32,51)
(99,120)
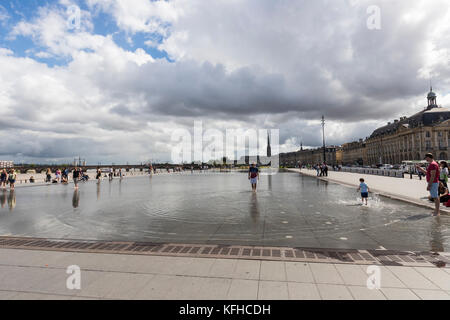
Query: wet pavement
(288,210)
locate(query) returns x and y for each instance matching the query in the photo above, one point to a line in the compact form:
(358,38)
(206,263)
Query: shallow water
(288,210)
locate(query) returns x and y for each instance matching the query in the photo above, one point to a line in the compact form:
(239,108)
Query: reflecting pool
(219,208)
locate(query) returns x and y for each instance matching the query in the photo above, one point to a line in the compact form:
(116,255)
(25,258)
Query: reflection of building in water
(12,200)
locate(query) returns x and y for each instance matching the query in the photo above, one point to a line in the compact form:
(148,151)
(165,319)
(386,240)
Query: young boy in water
(364,190)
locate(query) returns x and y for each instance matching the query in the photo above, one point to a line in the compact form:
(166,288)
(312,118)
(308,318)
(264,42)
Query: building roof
(430,116)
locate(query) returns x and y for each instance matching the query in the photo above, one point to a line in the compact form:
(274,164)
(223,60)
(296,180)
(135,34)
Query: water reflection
(98,191)
(76,199)
(150,208)
(436,242)
(254,207)
(3,198)
(12,200)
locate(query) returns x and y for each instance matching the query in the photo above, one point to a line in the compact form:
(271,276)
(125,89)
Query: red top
(433,166)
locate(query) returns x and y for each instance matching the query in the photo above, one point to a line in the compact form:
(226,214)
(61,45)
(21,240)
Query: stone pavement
(412,191)
(34,275)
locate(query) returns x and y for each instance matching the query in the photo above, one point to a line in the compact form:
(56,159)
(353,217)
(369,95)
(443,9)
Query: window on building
(428,134)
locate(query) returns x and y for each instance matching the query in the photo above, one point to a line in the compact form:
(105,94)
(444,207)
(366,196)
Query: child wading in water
(364,190)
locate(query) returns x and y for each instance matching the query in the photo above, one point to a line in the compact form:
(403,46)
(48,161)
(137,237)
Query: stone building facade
(354,153)
(410,138)
(309,156)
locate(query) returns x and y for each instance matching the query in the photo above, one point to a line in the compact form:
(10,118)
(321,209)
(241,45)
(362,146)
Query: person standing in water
(432,174)
(76,177)
(364,190)
(12,179)
(48,175)
(99,175)
(3,178)
(253,176)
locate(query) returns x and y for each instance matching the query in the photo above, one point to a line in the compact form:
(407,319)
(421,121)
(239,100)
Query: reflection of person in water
(98,191)
(254,208)
(12,200)
(436,242)
(76,199)
(3,198)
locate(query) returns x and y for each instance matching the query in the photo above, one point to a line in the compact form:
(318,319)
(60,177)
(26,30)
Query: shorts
(254,180)
(364,195)
(434,191)
(12,181)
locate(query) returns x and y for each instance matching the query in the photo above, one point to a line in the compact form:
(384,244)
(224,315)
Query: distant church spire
(269,149)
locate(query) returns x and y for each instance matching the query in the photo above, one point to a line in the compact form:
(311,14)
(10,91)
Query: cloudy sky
(113,81)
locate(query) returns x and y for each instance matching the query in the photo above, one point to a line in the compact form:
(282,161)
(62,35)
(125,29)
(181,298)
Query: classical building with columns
(407,138)
(410,138)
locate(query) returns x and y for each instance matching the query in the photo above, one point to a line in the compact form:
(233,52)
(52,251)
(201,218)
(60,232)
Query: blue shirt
(364,188)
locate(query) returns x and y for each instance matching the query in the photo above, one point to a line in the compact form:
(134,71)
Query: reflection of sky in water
(288,210)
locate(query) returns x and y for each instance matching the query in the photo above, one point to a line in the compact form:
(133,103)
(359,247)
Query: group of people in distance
(322,169)
(8,178)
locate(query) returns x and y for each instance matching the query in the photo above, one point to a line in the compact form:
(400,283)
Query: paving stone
(399,294)
(243,290)
(223,268)
(438,276)
(325,273)
(247,269)
(213,289)
(363,293)
(117,285)
(432,294)
(273,270)
(412,279)
(299,272)
(303,291)
(273,290)
(334,292)
(352,274)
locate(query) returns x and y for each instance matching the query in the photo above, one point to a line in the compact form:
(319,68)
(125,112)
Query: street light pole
(323,136)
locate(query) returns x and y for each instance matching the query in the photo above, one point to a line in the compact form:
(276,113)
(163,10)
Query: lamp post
(323,136)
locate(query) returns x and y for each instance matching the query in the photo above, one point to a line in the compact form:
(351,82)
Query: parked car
(386,166)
